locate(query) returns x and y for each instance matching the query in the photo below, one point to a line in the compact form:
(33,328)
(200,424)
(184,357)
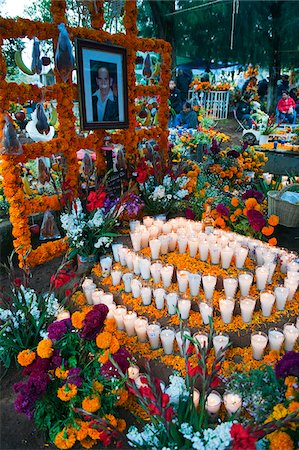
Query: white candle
(232,402)
(167,336)
(129,322)
(261,274)
(201,339)
(148,221)
(166,228)
(245,282)
(153,333)
(267,300)
(62,315)
(213,402)
(115,249)
(136,288)
(116,277)
(196,397)
(182,243)
(122,252)
(226,306)
(281,294)
(87,282)
(172,301)
(271,267)
(166,274)
(259,342)
(241,255)
(293,276)
(215,254)
(154,231)
(88,290)
(141,324)
(146,295)
(276,338)
(230,285)
(193,246)
(226,257)
(134,224)
(247,306)
(159,296)
(156,272)
(145,268)
(206,311)
(136,240)
(297,323)
(129,260)
(292,285)
(97,296)
(182,276)
(111,307)
(145,235)
(107,299)
(291,334)
(173,239)
(209,284)
(127,278)
(119,314)
(164,240)
(182,340)
(184,306)
(203,250)
(194,283)
(136,266)
(220,342)
(259,256)
(155,246)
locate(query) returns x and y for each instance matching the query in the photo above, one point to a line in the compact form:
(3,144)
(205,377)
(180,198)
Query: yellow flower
(26,357)
(44,348)
(280,440)
(97,386)
(103,340)
(65,439)
(279,412)
(91,404)
(67,392)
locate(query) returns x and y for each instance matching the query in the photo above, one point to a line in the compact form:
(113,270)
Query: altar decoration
(207,86)
(68,142)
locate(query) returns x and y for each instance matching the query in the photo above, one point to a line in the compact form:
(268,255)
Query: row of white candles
(232,402)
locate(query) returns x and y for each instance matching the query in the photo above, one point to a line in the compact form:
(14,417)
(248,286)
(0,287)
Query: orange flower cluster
(26,357)
(44,348)
(67,392)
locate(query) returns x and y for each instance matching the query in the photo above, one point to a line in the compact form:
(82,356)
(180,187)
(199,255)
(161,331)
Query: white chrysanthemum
(182,193)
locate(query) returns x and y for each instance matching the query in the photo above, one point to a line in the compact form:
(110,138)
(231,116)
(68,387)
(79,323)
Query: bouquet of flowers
(270,126)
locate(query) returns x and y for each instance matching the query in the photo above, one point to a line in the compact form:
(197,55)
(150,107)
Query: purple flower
(59,328)
(222,210)
(215,147)
(121,357)
(189,214)
(28,393)
(256,219)
(253,193)
(233,154)
(94,321)
(73,376)
(288,365)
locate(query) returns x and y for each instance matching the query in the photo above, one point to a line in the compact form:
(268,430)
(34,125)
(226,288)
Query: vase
(85,263)
(263,139)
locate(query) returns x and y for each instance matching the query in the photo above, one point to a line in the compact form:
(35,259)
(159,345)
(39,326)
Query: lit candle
(155,246)
(119,314)
(164,240)
(182,243)
(167,336)
(127,278)
(281,294)
(182,276)
(136,266)
(134,224)
(136,240)
(166,228)
(226,257)
(129,322)
(261,274)
(129,259)
(259,255)
(267,300)
(107,298)
(145,268)
(133,372)
(276,338)
(196,397)
(146,295)
(115,249)
(136,288)
(97,296)
(271,266)
(166,274)
(241,255)
(154,231)
(215,254)
(87,282)
(159,296)
(206,311)
(245,282)
(156,272)
(111,307)
(247,306)
(213,402)
(173,239)
(182,340)
(116,277)
(230,285)
(194,283)
(172,301)
(62,315)
(220,342)
(209,284)
(148,221)
(122,252)
(292,285)
(145,235)
(184,306)
(88,290)
(153,333)
(193,246)
(201,339)
(232,402)
(203,250)
(259,342)
(291,334)
(140,325)
(227,306)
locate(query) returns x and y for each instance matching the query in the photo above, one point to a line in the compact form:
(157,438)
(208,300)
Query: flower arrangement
(207,86)
(147,111)
(270,126)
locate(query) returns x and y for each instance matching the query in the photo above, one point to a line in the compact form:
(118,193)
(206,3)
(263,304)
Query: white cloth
(101,105)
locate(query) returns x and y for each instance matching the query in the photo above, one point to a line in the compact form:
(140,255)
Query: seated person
(244,110)
(188,117)
(175,104)
(295,97)
(286,108)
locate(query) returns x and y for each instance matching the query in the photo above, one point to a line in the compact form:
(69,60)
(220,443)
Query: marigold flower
(65,439)
(88,442)
(280,440)
(97,386)
(293,407)
(77,319)
(219,222)
(91,404)
(279,412)
(111,419)
(104,358)
(114,345)
(93,433)
(234,201)
(26,357)
(267,231)
(121,425)
(44,348)
(122,396)
(251,203)
(238,212)
(67,392)
(103,340)
(272,241)
(273,220)
(60,373)
(232,218)
(110,325)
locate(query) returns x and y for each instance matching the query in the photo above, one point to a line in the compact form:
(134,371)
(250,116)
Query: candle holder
(153,332)
(227,306)
(213,403)
(182,277)
(155,270)
(167,337)
(184,306)
(166,274)
(247,306)
(202,338)
(245,281)
(291,334)
(129,322)
(119,313)
(183,342)
(194,283)
(196,397)
(259,342)
(172,302)
(115,249)
(206,310)
(267,300)
(230,285)
(159,296)
(220,341)
(276,338)
(146,295)
(232,403)
(140,325)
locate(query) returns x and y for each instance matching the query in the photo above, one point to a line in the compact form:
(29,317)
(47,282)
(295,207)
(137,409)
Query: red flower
(105,438)
(242,440)
(256,219)
(215,382)
(95,200)
(60,279)
(18,282)
(142,176)
(68,292)
(169,412)
(189,214)
(152,409)
(164,400)
(193,371)
(146,391)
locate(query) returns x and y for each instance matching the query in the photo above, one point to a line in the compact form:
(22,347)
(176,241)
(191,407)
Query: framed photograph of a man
(102,81)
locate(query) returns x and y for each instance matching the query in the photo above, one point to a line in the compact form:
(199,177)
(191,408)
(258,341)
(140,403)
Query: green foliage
(9,48)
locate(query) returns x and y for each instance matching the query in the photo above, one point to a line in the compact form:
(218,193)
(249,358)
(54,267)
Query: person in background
(294,96)
(262,88)
(175,104)
(283,85)
(183,80)
(244,110)
(286,108)
(188,117)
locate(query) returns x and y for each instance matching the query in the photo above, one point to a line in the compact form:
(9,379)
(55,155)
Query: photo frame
(102,82)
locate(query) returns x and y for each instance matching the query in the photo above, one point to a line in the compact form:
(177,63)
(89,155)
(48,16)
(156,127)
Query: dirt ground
(17,432)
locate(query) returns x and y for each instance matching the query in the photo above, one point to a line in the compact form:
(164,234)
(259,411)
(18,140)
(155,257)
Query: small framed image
(102,81)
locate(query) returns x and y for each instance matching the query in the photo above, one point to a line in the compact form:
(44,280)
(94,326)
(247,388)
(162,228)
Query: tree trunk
(275,66)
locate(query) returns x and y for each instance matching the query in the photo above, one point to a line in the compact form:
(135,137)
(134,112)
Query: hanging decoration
(64,58)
